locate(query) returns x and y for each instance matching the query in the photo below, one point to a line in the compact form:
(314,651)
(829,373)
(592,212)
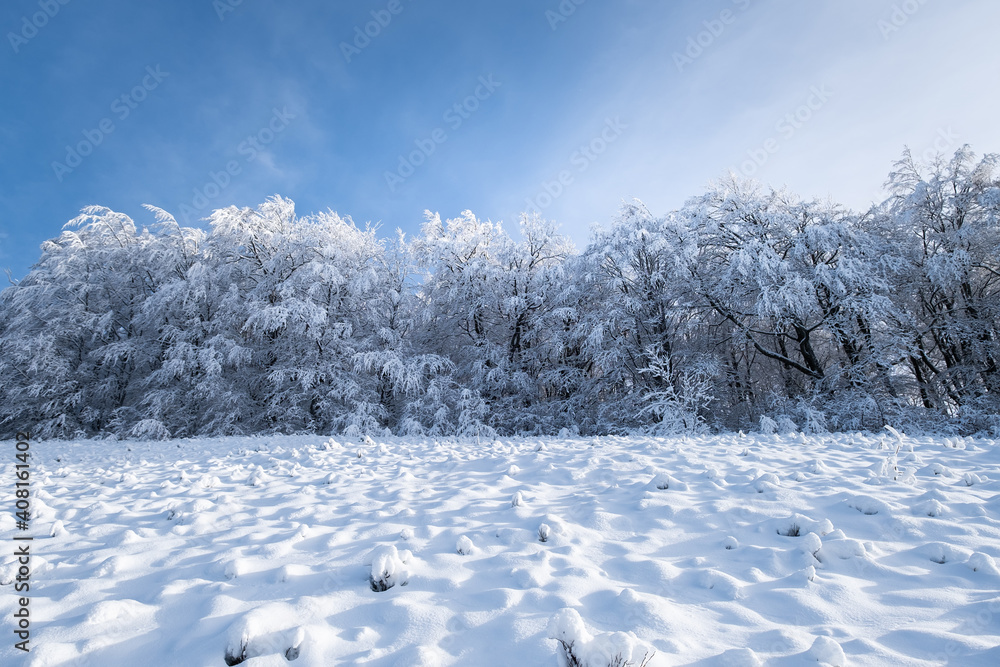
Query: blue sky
(566,107)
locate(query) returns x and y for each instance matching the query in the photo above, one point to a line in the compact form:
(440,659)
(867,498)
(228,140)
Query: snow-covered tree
(745,303)
(488,301)
(74,348)
(946,228)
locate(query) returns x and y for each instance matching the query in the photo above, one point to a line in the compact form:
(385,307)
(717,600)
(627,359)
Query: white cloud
(930,79)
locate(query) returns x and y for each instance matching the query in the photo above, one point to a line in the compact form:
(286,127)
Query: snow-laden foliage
(745,309)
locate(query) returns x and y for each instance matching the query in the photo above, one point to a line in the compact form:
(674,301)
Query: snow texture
(160,552)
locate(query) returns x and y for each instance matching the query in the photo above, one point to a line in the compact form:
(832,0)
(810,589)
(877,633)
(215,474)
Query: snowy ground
(179,552)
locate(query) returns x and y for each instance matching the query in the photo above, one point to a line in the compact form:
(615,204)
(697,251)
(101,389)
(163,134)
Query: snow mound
(941,553)
(980,562)
(266,631)
(579,648)
(931,508)
(817,467)
(868,505)
(662,481)
(828,652)
(57,530)
(971,479)
(544,532)
(740,657)
(765,482)
(837,546)
(464,546)
(112,612)
(798,525)
(388,568)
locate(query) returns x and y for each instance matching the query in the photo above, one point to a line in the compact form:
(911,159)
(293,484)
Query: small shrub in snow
(941,553)
(767,425)
(814,420)
(971,478)
(149,429)
(464,546)
(817,467)
(686,391)
(473,415)
(786,426)
(578,648)
(388,568)
(940,469)
(517,500)
(766,482)
(262,632)
(799,524)
(233,569)
(543,532)
(793,530)
(662,481)
(931,508)
(811,544)
(236,656)
(730,543)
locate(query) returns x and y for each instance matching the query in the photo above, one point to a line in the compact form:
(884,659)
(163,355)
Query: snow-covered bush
(685,394)
(265,630)
(464,546)
(579,648)
(767,426)
(388,568)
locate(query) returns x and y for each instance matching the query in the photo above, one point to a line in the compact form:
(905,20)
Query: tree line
(747,308)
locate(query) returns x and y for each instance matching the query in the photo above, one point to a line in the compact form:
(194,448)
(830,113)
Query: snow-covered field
(722,550)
